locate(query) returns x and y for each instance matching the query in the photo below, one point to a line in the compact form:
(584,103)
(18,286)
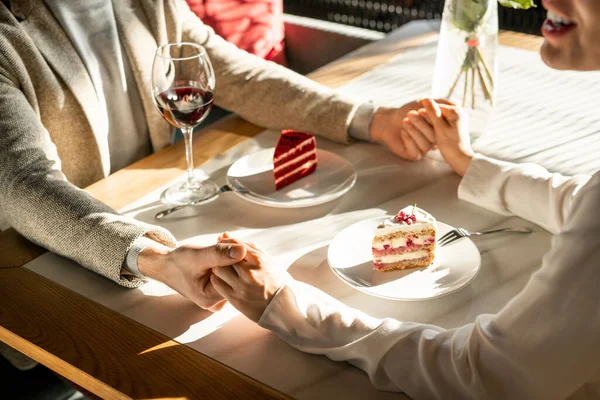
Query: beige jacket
(49,146)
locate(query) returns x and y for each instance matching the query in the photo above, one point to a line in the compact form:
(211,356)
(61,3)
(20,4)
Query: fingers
(224,235)
(422,143)
(435,114)
(432,108)
(444,101)
(229,240)
(423,114)
(227,274)
(422,125)
(249,245)
(450,113)
(411,150)
(220,254)
(205,295)
(448,110)
(419,130)
(221,286)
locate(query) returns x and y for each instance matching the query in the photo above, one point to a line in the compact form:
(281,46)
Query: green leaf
(520,4)
(468,14)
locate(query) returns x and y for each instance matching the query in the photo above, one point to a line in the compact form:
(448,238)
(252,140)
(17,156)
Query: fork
(223,189)
(459,233)
(358,281)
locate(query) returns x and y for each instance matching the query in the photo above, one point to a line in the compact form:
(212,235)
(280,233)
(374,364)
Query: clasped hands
(420,126)
(244,274)
(231,270)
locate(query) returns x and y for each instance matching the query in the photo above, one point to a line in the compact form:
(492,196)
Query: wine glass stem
(189,156)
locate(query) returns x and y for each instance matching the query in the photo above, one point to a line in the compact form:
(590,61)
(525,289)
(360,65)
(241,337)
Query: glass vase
(465,67)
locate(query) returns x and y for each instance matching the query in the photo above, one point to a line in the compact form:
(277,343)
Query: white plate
(351,260)
(333,178)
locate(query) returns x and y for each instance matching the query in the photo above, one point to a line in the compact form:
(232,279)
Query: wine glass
(183,83)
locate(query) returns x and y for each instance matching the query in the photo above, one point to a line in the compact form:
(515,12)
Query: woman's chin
(555,58)
(570,60)
(549,55)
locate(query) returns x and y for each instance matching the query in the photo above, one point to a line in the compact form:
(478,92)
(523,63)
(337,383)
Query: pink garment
(253,25)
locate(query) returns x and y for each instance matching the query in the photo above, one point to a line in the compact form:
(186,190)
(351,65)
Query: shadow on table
(374,186)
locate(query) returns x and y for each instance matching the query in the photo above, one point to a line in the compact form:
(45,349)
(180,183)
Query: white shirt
(92,28)
(544,344)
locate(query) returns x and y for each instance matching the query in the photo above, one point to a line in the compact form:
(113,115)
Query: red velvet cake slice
(295,157)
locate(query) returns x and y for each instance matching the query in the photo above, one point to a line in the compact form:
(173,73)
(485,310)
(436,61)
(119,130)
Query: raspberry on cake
(405,241)
(295,157)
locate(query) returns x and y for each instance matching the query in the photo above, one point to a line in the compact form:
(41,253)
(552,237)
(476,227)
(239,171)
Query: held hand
(450,127)
(388,127)
(187,269)
(250,284)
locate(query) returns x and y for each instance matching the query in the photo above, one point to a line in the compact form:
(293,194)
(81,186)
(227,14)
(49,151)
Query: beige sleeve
(265,93)
(38,201)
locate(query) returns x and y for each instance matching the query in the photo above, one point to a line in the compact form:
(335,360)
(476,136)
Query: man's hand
(390,128)
(187,269)
(250,284)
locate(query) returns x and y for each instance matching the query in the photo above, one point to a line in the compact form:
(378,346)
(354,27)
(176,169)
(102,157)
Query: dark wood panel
(107,353)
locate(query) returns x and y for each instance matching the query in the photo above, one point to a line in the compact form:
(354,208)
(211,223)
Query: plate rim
(341,277)
(315,202)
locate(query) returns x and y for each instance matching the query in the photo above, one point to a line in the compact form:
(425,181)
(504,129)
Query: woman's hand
(449,126)
(250,284)
(388,128)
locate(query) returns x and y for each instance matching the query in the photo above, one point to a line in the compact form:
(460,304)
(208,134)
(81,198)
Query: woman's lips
(552,30)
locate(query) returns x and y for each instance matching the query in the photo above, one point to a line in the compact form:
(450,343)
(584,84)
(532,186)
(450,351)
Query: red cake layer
(400,250)
(294,164)
(288,140)
(295,157)
(303,147)
(293,178)
(291,154)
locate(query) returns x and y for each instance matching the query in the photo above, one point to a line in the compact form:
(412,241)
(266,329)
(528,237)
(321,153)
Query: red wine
(184,106)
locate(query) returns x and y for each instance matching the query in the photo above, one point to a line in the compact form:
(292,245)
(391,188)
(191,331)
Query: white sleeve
(544,344)
(526,190)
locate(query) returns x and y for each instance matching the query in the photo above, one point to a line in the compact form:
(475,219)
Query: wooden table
(107,353)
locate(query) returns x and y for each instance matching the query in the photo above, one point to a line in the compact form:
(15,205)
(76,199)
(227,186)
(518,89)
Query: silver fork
(358,281)
(223,189)
(459,233)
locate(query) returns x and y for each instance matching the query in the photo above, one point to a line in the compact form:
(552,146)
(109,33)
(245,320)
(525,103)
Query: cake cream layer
(395,241)
(302,158)
(305,166)
(302,146)
(424,221)
(406,229)
(402,257)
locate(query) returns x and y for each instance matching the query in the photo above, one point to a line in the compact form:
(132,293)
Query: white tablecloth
(542,116)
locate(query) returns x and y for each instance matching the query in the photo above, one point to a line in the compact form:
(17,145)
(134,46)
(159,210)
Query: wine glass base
(186,193)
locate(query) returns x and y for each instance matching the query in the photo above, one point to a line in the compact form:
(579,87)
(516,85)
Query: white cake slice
(405,241)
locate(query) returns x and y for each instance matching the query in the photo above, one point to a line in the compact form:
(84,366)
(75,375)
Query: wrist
(154,260)
(378,124)
(459,161)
